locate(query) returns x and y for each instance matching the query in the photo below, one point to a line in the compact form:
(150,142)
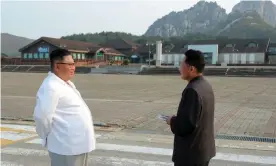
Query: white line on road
(8,163)
(126,161)
(11,135)
(99,159)
(168,152)
(38,140)
(15,135)
(20,127)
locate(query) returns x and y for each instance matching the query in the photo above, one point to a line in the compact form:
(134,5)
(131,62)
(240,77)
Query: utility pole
(149,44)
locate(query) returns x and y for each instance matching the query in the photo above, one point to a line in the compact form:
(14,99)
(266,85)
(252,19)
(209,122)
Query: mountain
(203,16)
(266,9)
(10,44)
(248,19)
(244,25)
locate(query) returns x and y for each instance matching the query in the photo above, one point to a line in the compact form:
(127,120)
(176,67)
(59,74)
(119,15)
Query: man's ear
(193,69)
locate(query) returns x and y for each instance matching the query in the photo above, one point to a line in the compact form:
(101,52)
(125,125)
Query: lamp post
(149,44)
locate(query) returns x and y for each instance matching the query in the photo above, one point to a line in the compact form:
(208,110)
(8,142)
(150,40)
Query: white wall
(241,58)
(171,58)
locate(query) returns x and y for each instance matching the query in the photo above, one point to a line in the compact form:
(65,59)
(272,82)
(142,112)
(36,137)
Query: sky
(33,19)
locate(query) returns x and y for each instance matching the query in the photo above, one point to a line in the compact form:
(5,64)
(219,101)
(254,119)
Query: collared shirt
(63,120)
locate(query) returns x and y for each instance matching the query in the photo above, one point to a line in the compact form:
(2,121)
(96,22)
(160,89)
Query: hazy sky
(34,19)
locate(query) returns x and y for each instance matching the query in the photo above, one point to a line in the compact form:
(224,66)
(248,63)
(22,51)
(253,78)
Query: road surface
(121,149)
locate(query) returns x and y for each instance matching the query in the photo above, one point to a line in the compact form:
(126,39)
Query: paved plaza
(244,106)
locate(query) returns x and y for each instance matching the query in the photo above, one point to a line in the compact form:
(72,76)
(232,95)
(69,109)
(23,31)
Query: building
(143,54)
(83,53)
(173,53)
(271,53)
(220,51)
(243,51)
(126,47)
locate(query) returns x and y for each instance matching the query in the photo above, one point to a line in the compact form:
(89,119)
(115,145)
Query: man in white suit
(63,120)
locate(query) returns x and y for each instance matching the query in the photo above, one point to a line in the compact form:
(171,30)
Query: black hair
(57,55)
(195,58)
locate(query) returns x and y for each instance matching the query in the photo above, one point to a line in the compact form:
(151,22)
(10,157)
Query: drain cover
(246,138)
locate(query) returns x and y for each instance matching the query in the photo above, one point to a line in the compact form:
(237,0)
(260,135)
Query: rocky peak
(266,9)
(203,16)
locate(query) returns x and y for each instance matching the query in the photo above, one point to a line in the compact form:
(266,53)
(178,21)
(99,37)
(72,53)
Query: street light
(149,44)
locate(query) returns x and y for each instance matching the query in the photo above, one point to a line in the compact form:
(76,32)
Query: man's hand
(169,119)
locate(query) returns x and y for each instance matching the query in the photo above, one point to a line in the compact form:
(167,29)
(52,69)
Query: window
(252,45)
(35,55)
(82,56)
(272,49)
(25,56)
(30,55)
(99,56)
(79,56)
(208,56)
(41,55)
(46,55)
(74,55)
(229,45)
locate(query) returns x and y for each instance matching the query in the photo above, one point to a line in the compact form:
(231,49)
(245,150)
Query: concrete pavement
(244,106)
(133,149)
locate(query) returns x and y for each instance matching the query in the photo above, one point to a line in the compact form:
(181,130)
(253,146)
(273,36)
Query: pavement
(123,148)
(244,106)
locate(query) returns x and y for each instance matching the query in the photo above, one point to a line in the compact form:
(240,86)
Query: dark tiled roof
(67,44)
(120,44)
(243,45)
(180,47)
(239,45)
(143,49)
(272,44)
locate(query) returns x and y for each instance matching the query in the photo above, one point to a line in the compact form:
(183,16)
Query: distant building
(126,47)
(230,51)
(38,51)
(243,51)
(271,53)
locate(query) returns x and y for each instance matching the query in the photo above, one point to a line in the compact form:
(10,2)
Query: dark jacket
(193,126)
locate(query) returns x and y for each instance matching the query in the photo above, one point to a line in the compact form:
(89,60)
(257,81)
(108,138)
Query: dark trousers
(183,164)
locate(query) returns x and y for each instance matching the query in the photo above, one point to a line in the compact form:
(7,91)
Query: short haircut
(195,58)
(57,55)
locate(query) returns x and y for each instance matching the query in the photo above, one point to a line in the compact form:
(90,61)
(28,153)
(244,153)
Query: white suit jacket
(62,118)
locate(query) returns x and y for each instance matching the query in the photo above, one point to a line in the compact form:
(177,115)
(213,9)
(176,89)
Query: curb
(98,126)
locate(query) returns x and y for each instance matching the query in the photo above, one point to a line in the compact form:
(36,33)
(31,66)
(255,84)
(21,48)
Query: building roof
(67,44)
(74,45)
(243,46)
(120,44)
(224,45)
(144,49)
(111,51)
(272,44)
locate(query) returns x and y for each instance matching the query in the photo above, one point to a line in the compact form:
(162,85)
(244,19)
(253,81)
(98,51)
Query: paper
(162,117)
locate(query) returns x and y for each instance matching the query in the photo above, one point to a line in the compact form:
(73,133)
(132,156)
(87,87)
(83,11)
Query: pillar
(158,53)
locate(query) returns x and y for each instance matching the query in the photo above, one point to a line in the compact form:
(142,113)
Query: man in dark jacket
(193,126)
